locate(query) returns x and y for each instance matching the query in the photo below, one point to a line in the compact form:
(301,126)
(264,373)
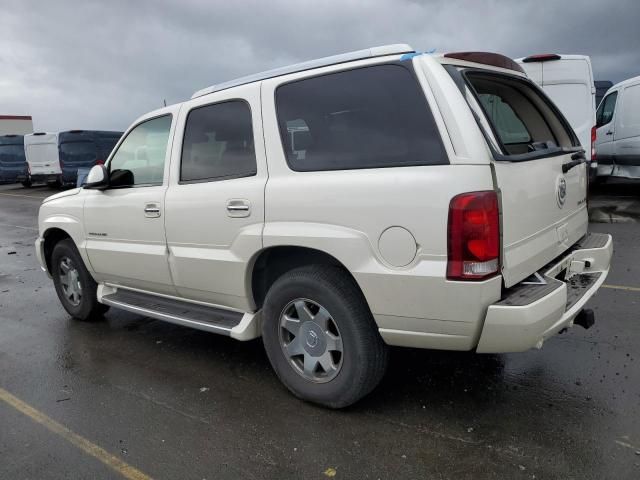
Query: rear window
(521,118)
(369,117)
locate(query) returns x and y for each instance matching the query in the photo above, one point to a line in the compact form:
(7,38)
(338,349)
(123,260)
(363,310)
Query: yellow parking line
(124,469)
(622,287)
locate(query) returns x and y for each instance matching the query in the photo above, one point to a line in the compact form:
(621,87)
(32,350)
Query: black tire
(26,184)
(364,356)
(87,307)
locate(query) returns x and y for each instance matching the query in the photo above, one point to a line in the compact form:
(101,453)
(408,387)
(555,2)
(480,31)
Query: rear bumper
(528,314)
(46,178)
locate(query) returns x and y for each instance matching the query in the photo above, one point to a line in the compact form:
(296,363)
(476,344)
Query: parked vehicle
(601,88)
(12,160)
(618,137)
(568,81)
(440,203)
(83,149)
(43,159)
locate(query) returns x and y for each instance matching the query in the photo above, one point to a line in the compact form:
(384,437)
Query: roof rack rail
(299,67)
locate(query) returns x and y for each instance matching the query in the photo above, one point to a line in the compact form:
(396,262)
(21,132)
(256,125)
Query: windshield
(78,151)
(12,154)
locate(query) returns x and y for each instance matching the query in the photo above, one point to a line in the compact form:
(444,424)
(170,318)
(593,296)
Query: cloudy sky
(100,64)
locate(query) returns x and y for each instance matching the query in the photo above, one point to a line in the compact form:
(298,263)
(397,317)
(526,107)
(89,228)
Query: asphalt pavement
(132,397)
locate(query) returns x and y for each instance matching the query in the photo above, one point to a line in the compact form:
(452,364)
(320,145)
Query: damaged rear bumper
(539,307)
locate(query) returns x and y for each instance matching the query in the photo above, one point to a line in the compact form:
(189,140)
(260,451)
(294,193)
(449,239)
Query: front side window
(139,161)
(606,109)
(521,118)
(370,117)
(218,143)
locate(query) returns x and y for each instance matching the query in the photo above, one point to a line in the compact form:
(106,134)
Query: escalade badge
(561,192)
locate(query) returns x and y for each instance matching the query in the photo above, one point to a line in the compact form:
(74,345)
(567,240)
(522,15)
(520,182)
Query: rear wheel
(26,184)
(74,285)
(321,338)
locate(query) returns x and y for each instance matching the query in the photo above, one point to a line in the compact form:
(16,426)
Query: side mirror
(98,178)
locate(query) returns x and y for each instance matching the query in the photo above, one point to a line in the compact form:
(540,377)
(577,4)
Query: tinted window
(521,116)
(140,158)
(365,118)
(218,143)
(606,109)
(509,126)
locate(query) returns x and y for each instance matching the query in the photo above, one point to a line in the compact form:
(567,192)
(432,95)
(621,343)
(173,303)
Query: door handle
(238,208)
(609,133)
(151,210)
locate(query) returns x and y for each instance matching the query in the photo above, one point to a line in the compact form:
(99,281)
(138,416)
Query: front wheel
(321,338)
(26,184)
(74,285)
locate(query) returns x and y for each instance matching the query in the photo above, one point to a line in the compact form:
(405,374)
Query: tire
(66,266)
(26,184)
(356,369)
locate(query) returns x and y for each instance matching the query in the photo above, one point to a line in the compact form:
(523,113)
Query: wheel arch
(272,262)
(52,236)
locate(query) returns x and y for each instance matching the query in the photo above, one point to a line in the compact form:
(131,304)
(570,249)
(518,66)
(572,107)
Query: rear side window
(521,117)
(606,109)
(218,143)
(369,117)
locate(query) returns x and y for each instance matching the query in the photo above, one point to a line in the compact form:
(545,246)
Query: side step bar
(238,325)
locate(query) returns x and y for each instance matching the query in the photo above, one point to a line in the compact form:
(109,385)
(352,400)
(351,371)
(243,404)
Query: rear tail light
(593,143)
(473,236)
(100,162)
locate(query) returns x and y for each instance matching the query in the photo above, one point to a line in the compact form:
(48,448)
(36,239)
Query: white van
(618,131)
(43,158)
(568,81)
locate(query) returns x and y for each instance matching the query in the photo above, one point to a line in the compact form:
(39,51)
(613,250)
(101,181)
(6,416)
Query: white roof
(299,67)
(624,83)
(35,138)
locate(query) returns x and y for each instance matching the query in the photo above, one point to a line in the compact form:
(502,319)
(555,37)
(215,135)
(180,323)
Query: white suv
(380,197)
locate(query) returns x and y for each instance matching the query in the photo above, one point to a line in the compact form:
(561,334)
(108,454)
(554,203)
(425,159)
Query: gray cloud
(100,65)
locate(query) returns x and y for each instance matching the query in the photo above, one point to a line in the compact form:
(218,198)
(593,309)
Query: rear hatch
(42,154)
(539,168)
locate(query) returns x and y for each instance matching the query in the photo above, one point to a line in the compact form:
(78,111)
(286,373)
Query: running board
(238,325)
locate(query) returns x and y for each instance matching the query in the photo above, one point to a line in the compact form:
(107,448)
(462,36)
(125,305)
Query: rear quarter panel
(345,212)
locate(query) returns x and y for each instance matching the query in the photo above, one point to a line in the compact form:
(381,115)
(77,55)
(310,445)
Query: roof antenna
(165,102)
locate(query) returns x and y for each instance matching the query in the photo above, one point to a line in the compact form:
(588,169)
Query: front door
(124,224)
(605,134)
(215,201)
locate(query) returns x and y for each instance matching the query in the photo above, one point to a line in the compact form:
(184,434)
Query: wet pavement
(176,403)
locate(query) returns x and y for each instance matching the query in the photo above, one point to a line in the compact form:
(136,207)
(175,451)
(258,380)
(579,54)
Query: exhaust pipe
(586,318)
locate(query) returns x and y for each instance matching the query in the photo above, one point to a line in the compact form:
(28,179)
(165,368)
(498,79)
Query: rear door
(543,208)
(569,83)
(43,156)
(215,201)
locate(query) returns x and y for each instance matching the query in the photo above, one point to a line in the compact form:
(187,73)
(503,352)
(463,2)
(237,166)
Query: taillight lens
(473,236)
(593,143)
(99,162)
